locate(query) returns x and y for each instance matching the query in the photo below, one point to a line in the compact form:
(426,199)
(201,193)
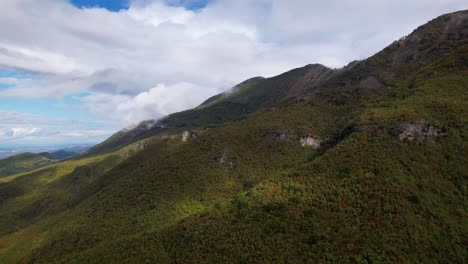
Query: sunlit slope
(23,163)
(27,197)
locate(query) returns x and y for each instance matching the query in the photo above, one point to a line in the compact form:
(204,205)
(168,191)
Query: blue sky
(45,121)
(112,5)
(77,71)
(117,5)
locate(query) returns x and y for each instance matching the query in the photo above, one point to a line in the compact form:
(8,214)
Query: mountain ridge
(355,77)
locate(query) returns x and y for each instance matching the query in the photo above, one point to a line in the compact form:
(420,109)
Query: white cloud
(19,132)
(20,128)
(37,60)
(154,59)
(130,110)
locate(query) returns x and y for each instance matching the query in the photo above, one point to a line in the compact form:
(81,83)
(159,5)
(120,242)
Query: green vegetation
(23,163)
(246,191)
(60,154)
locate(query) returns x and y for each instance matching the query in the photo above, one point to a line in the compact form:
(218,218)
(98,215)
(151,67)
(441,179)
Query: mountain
(243,99)
(60,154)
(27,161)
(23,163)
(66,152)
(399,60)
(365,164)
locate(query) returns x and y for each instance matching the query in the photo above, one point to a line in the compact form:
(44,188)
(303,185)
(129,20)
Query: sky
(77,71)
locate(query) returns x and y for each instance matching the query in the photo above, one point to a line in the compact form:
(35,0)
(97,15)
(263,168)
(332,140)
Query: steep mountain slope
(29,196)
(365,78)
(245,98)
(362,164)
(22,163)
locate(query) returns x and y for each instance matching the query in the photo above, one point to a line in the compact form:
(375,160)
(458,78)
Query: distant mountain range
(364,164)
(27,161)
(6,152)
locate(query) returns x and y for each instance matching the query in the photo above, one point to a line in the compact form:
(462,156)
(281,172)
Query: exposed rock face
(141,146)
(311,141)
(185,136)
(419,130)
(188,135)
(289,135)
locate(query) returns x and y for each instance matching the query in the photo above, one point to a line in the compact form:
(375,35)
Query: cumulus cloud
(158,101)
(158,57)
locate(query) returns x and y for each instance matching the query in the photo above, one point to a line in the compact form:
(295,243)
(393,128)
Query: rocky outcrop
(305,138)
(418,131)
(189,135)
(311,141)
(142,145)
(185,136)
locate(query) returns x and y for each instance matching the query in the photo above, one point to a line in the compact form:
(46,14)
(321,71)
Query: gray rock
(418,131)
(188,135)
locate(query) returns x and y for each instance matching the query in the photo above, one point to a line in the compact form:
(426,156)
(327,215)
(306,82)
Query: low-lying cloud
(169,99)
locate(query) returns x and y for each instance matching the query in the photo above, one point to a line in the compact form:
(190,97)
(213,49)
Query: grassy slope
(22,163)
(369,197)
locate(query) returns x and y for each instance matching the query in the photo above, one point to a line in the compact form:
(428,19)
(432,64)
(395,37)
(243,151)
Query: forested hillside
(365,164)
